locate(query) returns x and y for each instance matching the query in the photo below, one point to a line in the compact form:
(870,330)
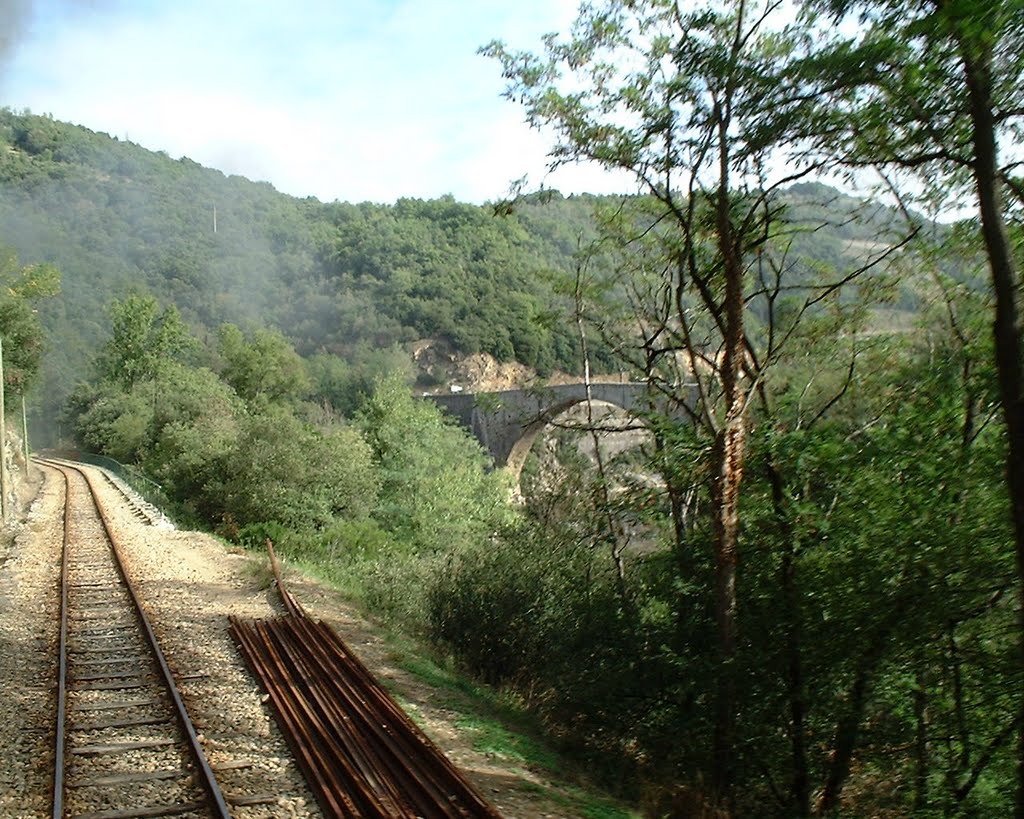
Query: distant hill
(333,277)
(115,217)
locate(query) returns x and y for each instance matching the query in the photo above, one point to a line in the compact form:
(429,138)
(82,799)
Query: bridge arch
(507,423)
(521,448)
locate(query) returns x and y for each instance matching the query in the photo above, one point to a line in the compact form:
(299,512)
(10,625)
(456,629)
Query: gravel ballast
(190,583)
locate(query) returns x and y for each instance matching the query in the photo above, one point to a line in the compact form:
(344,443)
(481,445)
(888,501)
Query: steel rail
(324,771)
(62,667)
(437,772)
(291,605)
(338,763)
(209,782)
(395,750)
(361,753)
(342,722)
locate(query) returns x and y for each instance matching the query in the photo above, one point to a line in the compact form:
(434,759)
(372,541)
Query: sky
(350,100)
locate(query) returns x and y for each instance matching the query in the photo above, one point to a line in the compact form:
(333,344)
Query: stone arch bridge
(506,423)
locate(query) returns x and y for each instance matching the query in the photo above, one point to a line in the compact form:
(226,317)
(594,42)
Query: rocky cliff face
(440,369)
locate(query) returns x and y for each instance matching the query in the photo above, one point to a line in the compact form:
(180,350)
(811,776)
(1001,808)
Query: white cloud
(366,100)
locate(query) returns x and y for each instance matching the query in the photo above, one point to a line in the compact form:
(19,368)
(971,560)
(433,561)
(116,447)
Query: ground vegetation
(800,595)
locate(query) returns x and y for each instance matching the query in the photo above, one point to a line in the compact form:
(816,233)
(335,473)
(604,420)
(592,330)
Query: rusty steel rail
(291,605)
(361,754)
(215,798)
(62,667)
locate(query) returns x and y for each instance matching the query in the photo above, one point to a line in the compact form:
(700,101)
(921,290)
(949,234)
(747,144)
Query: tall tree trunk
(959,706)
(727,476)
(1006,330)
(920,740)
(728,470)
(604,510)
(800,789)
(847,730)
(846,735)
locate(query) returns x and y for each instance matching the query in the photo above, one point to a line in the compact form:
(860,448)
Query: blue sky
(355,100)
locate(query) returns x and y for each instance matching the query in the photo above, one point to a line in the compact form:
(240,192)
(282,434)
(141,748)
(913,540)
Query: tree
(263,367)
(692,105)
(194,429)
(934,88)
(111,420)
(344,384)
(436,496)
(289,473)
(20,288)
(143,339)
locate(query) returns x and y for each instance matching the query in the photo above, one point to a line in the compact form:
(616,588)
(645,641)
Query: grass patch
(582,803)
(339,578)
(491,737)
(430,672)
(496,723)
(259,573)
(596,807)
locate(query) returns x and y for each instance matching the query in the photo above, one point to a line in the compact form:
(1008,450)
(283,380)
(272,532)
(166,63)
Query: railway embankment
(191,583)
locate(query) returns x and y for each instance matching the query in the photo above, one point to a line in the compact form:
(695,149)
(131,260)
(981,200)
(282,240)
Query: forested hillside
(803,593)
(340,279)
(335,278)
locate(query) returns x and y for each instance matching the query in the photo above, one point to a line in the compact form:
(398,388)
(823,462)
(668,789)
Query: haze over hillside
(338,278)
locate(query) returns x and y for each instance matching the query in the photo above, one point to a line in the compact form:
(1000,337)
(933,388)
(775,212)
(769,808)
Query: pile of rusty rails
(360,753)
(124,743)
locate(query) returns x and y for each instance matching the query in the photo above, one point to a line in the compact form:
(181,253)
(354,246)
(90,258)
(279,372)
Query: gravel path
(29,609)
(190,583)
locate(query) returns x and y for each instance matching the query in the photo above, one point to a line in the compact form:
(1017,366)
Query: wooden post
(3,442)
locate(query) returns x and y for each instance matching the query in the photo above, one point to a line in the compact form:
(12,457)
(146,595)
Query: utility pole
(24,433)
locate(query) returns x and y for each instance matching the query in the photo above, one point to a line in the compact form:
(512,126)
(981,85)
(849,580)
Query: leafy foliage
(20,289)
(263,368)
(142,340)
(335,279)
(331,278)
(436,494)
(873,664)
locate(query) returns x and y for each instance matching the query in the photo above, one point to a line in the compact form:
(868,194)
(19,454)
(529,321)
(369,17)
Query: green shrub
(348,542)
(255,536)
(396,588)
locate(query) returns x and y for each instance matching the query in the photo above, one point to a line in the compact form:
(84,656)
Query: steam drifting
(15,16)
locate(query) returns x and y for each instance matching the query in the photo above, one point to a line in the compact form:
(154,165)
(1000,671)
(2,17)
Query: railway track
(124,743)
(125,746)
